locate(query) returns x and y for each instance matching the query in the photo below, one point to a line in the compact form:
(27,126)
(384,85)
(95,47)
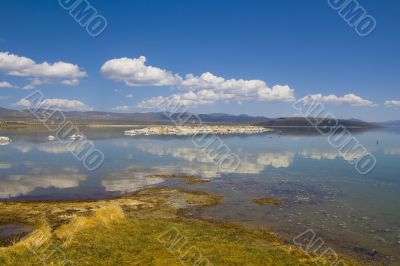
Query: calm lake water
(319,189)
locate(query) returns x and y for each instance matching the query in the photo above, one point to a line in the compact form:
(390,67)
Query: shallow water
(319,189)
(12,233)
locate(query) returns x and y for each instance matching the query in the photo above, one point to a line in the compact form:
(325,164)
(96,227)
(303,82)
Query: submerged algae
(267,201)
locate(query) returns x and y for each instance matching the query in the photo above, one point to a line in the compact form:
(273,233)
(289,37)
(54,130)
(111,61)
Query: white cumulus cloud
(23,102)
(392,103)
(5,85)
(188,99)
(66,104)
(152,102)
(62,104)
(121,108)
(39,73)
(134,72)
(238,89)
(350,99)
(204,89)
(208,88)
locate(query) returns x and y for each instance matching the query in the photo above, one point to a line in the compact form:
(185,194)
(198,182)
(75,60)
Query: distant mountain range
(153,117)
(311,122)
(160,117)
(394,123)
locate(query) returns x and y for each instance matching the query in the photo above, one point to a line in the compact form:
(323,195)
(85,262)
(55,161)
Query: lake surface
(319,189)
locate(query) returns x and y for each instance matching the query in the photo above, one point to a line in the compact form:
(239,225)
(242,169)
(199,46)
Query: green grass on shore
(116,232)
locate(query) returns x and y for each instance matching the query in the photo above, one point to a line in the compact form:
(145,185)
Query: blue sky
(259,57)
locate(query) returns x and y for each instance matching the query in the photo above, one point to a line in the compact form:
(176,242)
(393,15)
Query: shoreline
(156,206)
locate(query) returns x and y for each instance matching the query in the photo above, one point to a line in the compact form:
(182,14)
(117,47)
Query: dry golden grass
(104,216)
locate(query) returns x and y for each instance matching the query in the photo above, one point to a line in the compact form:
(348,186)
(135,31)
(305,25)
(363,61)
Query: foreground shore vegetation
(148,227)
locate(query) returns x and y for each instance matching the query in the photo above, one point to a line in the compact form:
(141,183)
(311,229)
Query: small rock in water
(5,140)
(383,230)
(369,252)
(380,239)
(342,224)
(398,242)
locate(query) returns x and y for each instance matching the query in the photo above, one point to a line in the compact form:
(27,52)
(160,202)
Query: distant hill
(162,118)
(311,122)
(14,114)
(150,117)
(394,123)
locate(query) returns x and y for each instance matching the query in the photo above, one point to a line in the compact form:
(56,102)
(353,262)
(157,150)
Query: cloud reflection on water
(21,184)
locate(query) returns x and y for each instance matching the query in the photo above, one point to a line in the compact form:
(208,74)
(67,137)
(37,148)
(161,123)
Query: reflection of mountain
(16,185)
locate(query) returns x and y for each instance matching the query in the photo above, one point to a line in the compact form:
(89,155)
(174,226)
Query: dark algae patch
(189,179)
(266,201)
